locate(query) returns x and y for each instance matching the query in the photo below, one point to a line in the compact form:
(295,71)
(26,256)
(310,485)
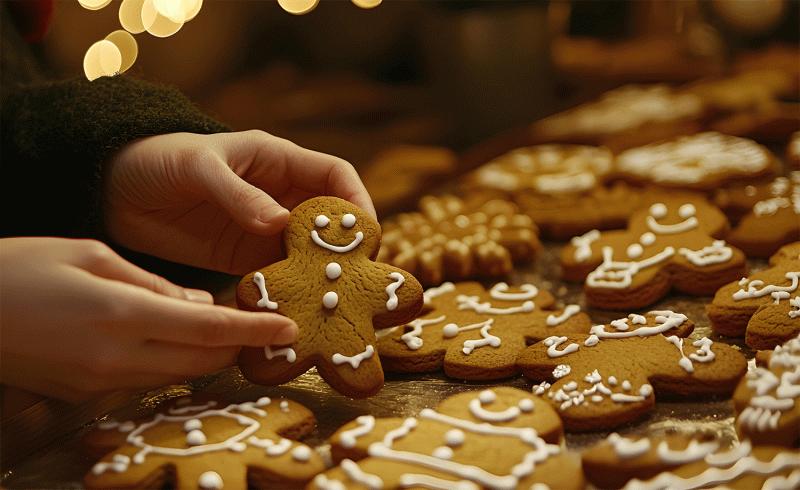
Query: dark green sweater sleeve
(57,136)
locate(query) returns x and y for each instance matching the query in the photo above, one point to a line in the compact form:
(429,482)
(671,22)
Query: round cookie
(610,377)
(763,307)
(475,334)
(501,437)
(337,294)
(206,443)
(767,400)
(671,244)
(448,240)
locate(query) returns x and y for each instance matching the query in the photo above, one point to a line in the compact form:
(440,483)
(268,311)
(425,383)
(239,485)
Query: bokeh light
(298,7)
(130,16)
(128,49)
(103,59)
(367,4)
(94,4)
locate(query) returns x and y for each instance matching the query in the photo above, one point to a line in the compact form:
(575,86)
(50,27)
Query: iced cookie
(768,215)
(617,459)
(672,244)
(449,241)
(337,294)
(609,377)
(763,307)
(207,444)
(502,438)
(767,400)
(477,334)
(700,162)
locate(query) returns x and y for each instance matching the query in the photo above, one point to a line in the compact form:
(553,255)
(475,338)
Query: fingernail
(199,296)
(267,216)
(286,335)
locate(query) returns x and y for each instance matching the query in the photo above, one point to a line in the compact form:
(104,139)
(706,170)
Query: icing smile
(348,221)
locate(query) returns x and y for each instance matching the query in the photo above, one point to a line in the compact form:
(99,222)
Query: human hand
(78,320)
(217,201)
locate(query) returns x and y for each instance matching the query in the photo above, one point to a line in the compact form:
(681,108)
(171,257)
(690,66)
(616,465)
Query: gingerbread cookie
(615,460)
(768,215)
(207,444)
(763,307)
(610,377)
(767,400)
(671,244)
(741,467)
(335,292)
(502,438)
(476,334)
(699,162)
(449,241)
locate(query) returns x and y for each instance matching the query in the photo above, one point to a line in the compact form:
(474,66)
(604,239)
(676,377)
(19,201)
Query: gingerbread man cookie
(767,400)
(476,334)
(500,438)
(670,244)
(449,241)
(610,376)
(763,307)
(207,444)
(335,292)
(700,162)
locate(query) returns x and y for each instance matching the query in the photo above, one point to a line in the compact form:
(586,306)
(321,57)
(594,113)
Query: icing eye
(686,211)
(658,210)
(348,220)
(322,221)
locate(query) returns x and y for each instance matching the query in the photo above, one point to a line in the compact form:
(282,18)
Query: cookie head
(341,229)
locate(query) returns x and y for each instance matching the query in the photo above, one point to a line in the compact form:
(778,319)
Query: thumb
(250,207)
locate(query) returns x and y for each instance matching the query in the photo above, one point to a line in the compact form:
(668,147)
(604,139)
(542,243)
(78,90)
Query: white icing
(288,352)
(348,220)
(795,303)
(471,303)
(333,270)
(335,248)
(264,302)
(270,447)
(486,397)
(695,451)
(561,370)
(451,329)
(455,437)
(552,344)
(192,424)
(355,360)
(627,448)
(365,425)
(498,291)
(583,245)
(210,480)
(487,340)
(716,253)
(753,286)
(196,438)
(322,221)
(352,470)
(664,321)
(330,300)
(301,453)
(619,275)
(569,312)
(118,464)
(412,338)
(284,406)
(391,290)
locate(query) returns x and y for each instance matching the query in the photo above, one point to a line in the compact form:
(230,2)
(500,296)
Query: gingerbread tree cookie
(610,376)
(672,244)
(767,400)
(502,438)
(477,334)
(335,292)
(450,241)
(763,307)
(207,444)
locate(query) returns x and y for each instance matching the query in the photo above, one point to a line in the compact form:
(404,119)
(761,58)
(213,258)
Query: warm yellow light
(156,23)
(130,16)
(298,7)
(192,8)
(102,59)
(127,46)
(367,4)
(94,4)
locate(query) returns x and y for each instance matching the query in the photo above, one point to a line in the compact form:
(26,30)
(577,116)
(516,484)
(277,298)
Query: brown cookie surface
(335,292)
(500,437)
(476,334)
(207,444)
(763,307)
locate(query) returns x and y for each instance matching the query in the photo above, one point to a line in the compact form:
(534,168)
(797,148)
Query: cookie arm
(402,299)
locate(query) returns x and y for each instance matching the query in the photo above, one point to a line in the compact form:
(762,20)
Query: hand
(78,320)
(217,201)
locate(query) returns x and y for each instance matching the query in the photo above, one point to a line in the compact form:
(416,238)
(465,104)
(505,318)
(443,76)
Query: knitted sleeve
(57,136)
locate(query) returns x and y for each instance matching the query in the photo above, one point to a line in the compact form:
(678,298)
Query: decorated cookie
(447,241)
(335,292)
(670,244)
(615,460)
(207,444)
(700,162)
(610,377)
(767,400)
(769,215)
(763,307)
(501,438)
(477,334)
(742,467)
